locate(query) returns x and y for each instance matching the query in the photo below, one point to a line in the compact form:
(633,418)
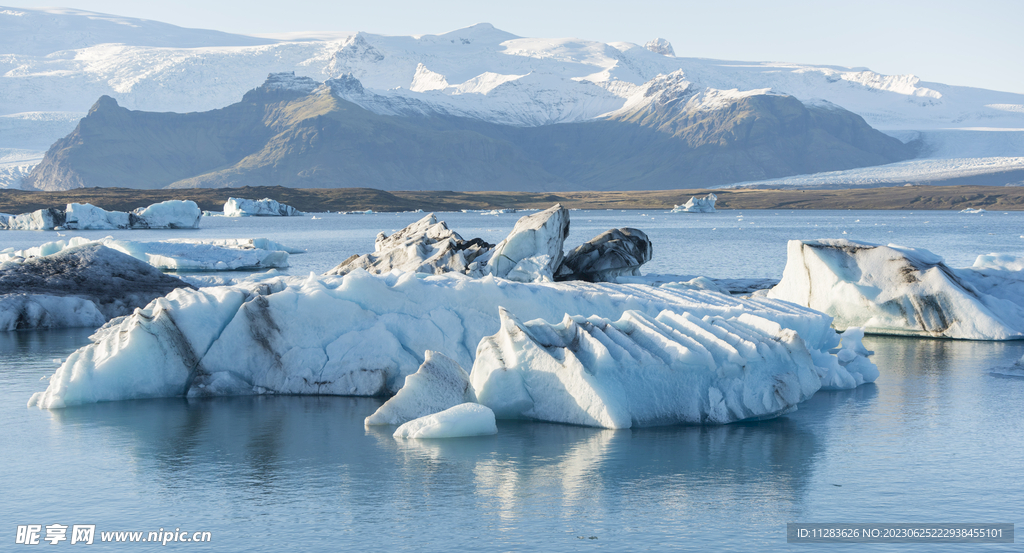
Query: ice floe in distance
(241,207)
(698,205)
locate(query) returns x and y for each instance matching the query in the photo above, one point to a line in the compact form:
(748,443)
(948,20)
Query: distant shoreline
(924,197)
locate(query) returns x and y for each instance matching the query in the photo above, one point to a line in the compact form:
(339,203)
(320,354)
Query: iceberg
(644,370)
(901,291)
(698,205)
(426,246)
(612,254)
(84,285)
(460,421)
(533,250)
(172,214)
(90,217)
(360,334)
(440,383)
(240,207)
(42,219)
(243,254)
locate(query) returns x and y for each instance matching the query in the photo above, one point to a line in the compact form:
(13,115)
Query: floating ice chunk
(533,250)
(41,219)
(240,207)
(362,334)
(972,210)
(1009,264)
(90,217)
(169,214)
(895,290)
(609,255)
(698,205)
(439,383)
(78,286)
(642,370)
(468,419)
(426,246)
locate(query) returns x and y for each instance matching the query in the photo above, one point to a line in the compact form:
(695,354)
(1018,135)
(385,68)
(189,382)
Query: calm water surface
(937,439)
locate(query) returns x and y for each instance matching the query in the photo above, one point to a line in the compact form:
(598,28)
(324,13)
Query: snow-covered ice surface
(904,291)
(177,254)
(697,205)
(460,421)
(440,383)
(240,207)
(355,335)
(85,285)
(62,61)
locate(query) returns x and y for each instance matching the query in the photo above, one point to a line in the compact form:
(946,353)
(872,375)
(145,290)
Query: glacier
(904,291)
(479,72)
(360,334)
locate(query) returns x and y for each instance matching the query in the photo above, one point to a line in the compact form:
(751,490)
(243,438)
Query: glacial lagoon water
(939,437)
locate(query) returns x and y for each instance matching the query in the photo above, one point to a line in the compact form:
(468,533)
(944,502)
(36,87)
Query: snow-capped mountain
(478,72)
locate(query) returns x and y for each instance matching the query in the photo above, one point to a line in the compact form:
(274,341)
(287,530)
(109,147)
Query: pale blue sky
(978,43)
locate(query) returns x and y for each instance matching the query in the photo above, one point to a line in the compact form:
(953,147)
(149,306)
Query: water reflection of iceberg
(255,446)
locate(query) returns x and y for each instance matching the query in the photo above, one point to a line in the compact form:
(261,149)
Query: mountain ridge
(299,133)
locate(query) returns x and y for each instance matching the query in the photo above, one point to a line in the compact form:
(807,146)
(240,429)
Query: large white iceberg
(184,255)
(460,421)
(644,370)
(698,205)
(355,335)
(241,207)
(902,291)
(79,286)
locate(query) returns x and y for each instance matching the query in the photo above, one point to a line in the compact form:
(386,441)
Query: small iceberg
(461,421)
(241,207)
(972,210)
(697,205)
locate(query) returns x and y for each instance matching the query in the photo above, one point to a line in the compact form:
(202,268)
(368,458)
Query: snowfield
(50,78)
